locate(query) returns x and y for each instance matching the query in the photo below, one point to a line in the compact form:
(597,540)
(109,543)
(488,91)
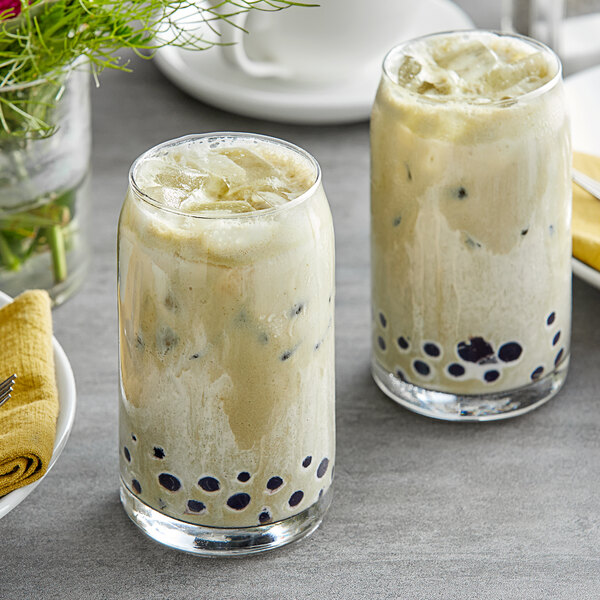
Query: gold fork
(6,387)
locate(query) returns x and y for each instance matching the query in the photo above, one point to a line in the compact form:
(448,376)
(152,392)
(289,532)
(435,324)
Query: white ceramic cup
(321,43)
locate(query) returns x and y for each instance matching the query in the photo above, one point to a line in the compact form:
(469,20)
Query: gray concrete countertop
(422,509)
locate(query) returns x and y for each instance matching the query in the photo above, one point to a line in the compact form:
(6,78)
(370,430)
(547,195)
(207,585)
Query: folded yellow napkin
(28,419)
(586,213)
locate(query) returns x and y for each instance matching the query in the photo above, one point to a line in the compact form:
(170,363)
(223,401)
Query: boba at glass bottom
(217,541)
(479,407)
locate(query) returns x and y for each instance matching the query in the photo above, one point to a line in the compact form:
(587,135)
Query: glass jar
(44,165)
(470,226)
(226,354)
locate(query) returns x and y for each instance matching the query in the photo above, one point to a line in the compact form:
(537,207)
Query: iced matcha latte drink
(226,287)
(471,245)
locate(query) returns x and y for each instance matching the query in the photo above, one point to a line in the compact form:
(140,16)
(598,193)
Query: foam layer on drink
(224,175)
(480,67)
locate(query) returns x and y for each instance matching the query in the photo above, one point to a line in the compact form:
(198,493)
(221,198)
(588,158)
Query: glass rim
(305,195)
(551,83)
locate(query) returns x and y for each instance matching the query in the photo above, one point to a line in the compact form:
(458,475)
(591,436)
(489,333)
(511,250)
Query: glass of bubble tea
(470,226)
(226,297)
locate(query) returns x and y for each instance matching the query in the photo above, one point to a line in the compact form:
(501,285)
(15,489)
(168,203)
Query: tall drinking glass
(226,284)
(470,226)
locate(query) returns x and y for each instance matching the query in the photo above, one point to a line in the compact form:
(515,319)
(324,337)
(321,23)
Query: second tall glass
(471,243)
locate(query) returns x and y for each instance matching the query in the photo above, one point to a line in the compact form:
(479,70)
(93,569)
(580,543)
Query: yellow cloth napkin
(28,419)
(586,213)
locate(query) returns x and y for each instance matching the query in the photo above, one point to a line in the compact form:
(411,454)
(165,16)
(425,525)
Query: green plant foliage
(49,35)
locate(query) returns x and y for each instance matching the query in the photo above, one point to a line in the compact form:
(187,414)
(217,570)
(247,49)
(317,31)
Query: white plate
(583,95)
(585,272)
(206,76)
(65,383)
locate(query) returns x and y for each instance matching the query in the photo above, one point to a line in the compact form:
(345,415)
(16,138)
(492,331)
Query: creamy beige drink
(226,287)
(470,200)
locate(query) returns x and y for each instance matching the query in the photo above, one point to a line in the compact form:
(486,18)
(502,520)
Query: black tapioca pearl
(166,340)
(209,484)
(491,375)
(400,375)
(402,342)
(456,370)
(431,349)
(556,338)
(296,309)
(196,506)
(381,343)
(475,350)
(274,483)
(320,493)
(551,318)
(382,320)
(264,516)
(168,481)
(524,231)
(510,351)
(243,476)
(135,484)
(559,356)
(322,468)
(134,437)
(287,355)
(296,498)
(397,220)
(537,373)
(306,462)
(461,193)
(194,356)
(238,501)
(126,454)
(469,241)
(421,367)
(317,345)
(158,452)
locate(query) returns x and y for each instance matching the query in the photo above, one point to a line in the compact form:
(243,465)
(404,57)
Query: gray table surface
(422,509)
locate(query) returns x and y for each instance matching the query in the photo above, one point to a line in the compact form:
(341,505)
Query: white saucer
(583,93)
(65,383)
(206,76)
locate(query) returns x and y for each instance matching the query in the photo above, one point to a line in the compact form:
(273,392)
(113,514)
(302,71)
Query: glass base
(217,541)
(476,407)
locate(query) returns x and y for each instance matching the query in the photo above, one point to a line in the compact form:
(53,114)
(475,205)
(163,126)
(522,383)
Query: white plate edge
(65,382)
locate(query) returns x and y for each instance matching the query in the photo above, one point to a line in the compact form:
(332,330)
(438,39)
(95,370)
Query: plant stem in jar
(57,248)
(8,258)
